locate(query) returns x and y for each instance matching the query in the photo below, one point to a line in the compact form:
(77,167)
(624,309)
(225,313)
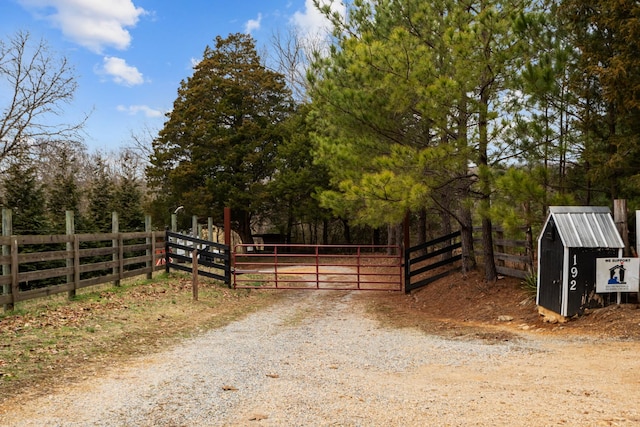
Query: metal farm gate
(318,267)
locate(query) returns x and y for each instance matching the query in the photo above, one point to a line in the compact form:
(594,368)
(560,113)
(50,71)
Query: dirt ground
(532,371)
(459,302)
(571,366)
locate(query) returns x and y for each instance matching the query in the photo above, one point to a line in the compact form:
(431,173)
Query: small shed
(572,238)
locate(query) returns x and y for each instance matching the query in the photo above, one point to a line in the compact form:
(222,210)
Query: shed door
(550,274)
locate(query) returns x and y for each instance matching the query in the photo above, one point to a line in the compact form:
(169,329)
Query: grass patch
(297,318)
(51,341)
(530,284)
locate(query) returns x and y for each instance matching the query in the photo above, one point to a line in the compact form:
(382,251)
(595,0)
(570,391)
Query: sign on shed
(572,239)
(617,275)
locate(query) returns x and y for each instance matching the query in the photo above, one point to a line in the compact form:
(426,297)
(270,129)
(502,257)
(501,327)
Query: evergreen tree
(409,98)
(219,144)
(128,196)
(100,196)
(63,193)
(297,180)
(24,195)
(605,34)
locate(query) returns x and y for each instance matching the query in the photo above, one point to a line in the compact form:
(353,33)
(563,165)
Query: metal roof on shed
(586,227)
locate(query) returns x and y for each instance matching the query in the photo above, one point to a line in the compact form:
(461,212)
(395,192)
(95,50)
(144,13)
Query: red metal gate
(325,267)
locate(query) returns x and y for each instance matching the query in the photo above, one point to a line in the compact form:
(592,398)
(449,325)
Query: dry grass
(51,341)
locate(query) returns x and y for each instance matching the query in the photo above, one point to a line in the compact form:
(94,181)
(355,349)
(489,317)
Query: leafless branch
(35,84)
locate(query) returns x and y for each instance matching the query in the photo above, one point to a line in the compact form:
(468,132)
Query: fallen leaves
(46,341)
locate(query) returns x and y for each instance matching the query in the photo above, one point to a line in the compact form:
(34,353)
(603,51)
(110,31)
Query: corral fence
(213,260)
(35,266)
(427,262)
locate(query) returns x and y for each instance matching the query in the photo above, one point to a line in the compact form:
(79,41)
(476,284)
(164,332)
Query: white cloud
(120,72)
(311,22)
(94,24)
(194,62)
(133,110)
(253,24)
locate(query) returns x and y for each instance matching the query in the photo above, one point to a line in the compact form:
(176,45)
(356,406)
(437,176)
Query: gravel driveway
(317,359)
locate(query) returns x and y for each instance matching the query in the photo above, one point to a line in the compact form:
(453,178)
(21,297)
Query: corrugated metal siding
(586,227)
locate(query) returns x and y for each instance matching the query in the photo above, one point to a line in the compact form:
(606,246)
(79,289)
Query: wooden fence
(514,258)
(37,266)
(216,257)
(432,260)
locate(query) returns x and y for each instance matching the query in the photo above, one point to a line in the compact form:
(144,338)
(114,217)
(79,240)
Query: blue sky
(129,56)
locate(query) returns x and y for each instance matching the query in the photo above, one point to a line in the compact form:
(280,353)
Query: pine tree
(100,197)
(128,195)
(24,195)
(605,34)
(63,194)
(409,98)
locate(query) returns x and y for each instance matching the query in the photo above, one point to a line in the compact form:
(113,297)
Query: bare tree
(141,144)
(290,54)
(34,84)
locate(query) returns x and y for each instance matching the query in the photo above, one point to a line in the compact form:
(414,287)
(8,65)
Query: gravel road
(317,359)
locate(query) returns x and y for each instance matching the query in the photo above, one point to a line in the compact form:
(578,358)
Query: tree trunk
(243,219)
(325,231)
(466,236)
(376,236)
(446,225)
(422,226)
(347,232)
(289,227)
(490,273)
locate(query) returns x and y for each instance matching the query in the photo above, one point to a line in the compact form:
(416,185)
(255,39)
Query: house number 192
(574,274)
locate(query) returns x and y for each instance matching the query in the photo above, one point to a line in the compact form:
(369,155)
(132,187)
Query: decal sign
(617,274)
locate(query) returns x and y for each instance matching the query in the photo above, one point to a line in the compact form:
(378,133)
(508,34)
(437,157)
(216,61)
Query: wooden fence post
(194,226)
(406,245)
(14,268)
(76,261)
(194,231)
(620,219)
(499,246)
(167,251)
(150,252)
(174,223)
(210,229)
(71,230)
(194,273)
(120,257)
(115,228)
(529,250)
(7,230)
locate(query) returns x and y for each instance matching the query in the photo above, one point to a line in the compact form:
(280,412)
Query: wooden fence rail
(37,266)
(514,258)
(432,260)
